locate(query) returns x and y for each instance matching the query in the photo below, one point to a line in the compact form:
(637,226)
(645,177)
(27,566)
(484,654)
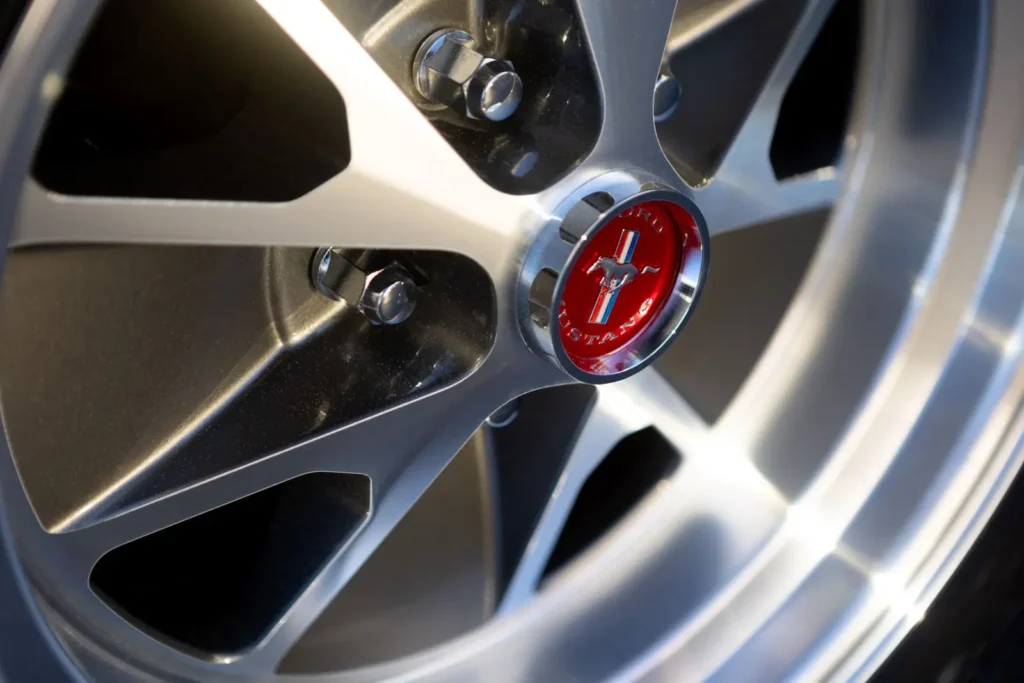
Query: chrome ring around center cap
(607,287)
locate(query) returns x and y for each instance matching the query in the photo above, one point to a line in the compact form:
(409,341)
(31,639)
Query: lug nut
(450,71)
(667,94)
(389,296)
(386,296)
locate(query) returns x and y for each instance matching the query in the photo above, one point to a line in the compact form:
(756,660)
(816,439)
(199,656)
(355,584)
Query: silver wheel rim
(834,556)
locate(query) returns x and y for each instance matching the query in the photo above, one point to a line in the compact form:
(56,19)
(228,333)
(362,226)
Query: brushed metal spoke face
(225,576)
(617,413)
(696,18)
(744,189)
(448,532)
(627,44)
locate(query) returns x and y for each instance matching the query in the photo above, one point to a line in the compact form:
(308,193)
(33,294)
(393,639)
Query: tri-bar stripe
(603,307)
(606,299)
(627,243)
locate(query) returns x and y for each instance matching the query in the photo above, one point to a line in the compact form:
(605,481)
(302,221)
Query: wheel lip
(665,327)
(38,45)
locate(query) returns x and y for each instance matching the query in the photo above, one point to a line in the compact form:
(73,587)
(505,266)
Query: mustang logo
(617,272)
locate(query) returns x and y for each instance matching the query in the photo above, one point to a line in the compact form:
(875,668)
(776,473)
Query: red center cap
(621,280)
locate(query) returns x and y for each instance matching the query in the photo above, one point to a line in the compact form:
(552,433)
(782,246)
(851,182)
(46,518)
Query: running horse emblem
(617,272)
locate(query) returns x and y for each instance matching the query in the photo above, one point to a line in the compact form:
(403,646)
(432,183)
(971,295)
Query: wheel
(501,340)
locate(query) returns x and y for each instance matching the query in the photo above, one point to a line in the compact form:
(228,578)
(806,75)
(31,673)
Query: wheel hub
(630,273)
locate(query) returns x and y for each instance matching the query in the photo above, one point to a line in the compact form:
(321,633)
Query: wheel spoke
(733,201)
(627,42)
(381,446)
(744,191)
(697,18)
(425,450)
(621,409)
(401,450)
(405,186)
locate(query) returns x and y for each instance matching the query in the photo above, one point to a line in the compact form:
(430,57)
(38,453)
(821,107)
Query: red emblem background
(639,301)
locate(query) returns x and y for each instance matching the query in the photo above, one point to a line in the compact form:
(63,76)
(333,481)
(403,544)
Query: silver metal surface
(743,190)
(666,96)
(386,296)
(505,415)
(389,297)
(448,532)
(448,70)
(494,91)
(336,277)
(808,528)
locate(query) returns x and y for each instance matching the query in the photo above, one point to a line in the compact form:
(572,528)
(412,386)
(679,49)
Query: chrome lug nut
(449,70)
(389,296)
(386,296)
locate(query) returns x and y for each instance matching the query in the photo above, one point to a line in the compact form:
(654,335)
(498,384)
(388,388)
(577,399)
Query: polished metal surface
(494,91)
(448,70)
(743,189)
(667,94)
(505,415)
(808,527)
(389,297)
(449,532)
(335,277)
(386,296)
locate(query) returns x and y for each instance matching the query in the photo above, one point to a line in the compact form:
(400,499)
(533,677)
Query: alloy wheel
(210,468)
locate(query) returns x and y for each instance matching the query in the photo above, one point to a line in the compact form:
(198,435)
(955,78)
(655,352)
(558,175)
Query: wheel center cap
(622,279)
(631,272)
